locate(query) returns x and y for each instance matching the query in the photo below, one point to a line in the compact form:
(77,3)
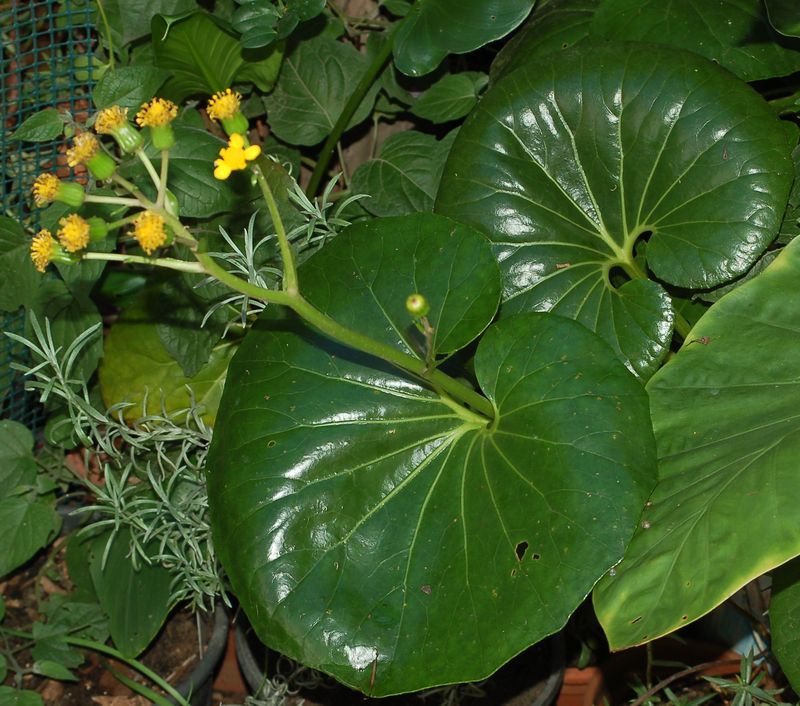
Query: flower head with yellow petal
(156,113)
(114,121)
(225,107)
(235,156)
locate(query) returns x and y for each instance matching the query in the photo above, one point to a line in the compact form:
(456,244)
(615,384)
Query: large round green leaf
(435,28)
(569,160)
(725,509)
(363,278)
(387,535)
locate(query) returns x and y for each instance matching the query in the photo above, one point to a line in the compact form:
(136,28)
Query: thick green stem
(359,341)
(270,296)
(287,256)
(347,113)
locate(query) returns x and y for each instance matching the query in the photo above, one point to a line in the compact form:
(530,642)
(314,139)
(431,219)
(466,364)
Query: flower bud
(417,305)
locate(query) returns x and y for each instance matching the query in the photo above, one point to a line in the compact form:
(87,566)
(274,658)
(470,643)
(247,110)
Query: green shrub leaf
(128,87)
(43,126)
(725,418)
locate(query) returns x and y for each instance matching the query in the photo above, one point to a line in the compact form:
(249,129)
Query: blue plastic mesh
(47,63)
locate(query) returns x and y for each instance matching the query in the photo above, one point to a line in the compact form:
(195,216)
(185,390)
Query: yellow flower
(84,147)
(149,231)
(156,113)
(74,232)
(224,105)
(109,120)
(45,189)
(43,247)
(235,156)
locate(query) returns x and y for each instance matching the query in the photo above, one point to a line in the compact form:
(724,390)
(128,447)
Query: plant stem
(679,675)
(148,165)
(131,189)
(116,200)
(289,270)
(162,187)
(134,663)
(108,39)
(347,113)
(167,262)
(123,221)
(271,296)
(682,326)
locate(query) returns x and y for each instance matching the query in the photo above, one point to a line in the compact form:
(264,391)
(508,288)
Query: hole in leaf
(520,550)
(636,620)
(617,277)
(536,557)
(270,443)
(513,573)
(684,617)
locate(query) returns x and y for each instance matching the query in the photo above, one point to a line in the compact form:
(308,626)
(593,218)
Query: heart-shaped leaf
(204,56)
(728,434)
(435,28)
(357,512)
(569,160)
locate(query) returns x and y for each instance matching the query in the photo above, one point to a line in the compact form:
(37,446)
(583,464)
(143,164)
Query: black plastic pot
(545,660)
(197,686)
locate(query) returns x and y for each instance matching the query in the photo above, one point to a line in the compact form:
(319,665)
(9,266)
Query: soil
(172,655)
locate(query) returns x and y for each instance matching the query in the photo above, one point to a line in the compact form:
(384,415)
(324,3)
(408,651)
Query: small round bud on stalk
(114,121)
(98,229)
(417,305)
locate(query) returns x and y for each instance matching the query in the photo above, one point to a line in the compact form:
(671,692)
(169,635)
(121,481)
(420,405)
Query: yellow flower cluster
(156,113)
(43,247)
(74,232)
(235,156)
(149,231)
(224,105)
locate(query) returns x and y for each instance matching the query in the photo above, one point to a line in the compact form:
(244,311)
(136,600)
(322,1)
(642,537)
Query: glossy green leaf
(17,464)
(135,599)
(432,29)
(784,620)
(570,160)
(256,21)
(43,126)
(136,364)
(735,33)
(728,434)
(784,16)
(451,97)
(53,670)
(405,176)
(554,25)
(357,513)
(315,83)
(204,56)
(27,527)
(19,280)
(128,87)
(363,278)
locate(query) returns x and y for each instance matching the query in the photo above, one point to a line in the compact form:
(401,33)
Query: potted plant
(560,370)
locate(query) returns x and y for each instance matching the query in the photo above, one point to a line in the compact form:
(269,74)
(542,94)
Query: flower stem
(162,186)
(123,221)
(116,200)
(167,262)
(287,256)
(148,165)
(347,113)
(271,296)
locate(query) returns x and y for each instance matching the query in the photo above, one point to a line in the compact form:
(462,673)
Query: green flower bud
(98,229)
(101,165)
(237,123)
(417,305)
